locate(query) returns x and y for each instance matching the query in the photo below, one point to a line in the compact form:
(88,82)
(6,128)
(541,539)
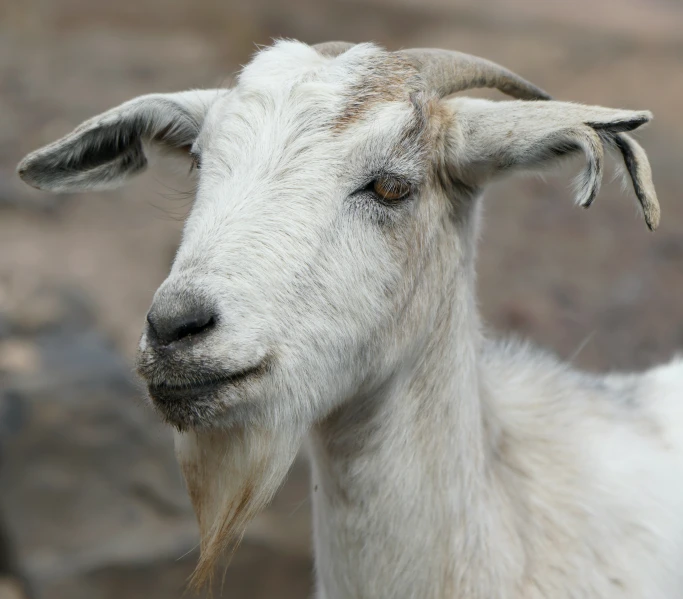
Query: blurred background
(91,502)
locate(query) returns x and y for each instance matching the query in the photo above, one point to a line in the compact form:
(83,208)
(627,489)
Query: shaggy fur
(444,465)
(231,476)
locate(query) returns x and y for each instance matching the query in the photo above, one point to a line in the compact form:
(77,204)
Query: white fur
(444,465)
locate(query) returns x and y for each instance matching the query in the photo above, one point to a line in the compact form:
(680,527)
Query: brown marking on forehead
(436,117)
(386,77)
(438,121)
(423,136)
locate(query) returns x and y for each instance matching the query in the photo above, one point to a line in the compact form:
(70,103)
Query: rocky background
(91,502)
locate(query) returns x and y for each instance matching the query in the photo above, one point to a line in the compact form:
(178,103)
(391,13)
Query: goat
(324,291)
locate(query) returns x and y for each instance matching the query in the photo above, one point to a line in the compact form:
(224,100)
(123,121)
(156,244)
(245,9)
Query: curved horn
(448,72)
(332,49)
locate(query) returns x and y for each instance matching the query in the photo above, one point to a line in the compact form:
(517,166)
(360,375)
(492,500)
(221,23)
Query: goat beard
(231,475)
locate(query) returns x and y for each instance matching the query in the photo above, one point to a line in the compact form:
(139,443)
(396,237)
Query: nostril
(168,326)
(195,327)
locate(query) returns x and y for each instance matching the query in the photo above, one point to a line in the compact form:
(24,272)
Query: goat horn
(332,49)
(448,72)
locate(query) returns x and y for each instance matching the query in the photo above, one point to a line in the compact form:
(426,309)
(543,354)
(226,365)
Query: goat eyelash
(196,163)
(387,189)
(371,201)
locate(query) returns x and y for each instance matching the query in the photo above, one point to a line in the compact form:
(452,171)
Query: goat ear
(106,150)
(488,139)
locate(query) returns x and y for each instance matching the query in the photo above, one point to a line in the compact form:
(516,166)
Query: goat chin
(231,475)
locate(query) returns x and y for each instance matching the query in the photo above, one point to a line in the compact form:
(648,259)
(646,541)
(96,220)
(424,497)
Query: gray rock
(88,476)
(89,484)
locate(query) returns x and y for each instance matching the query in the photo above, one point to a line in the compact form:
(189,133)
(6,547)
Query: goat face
(295,257)
(307,237)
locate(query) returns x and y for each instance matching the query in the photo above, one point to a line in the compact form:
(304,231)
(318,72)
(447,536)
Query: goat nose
(171,321)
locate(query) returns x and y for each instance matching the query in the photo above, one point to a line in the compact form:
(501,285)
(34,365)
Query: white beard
(231,475)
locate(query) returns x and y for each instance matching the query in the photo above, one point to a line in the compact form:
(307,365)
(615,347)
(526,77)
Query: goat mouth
(168,393)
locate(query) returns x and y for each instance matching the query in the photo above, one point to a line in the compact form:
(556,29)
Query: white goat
(325,286)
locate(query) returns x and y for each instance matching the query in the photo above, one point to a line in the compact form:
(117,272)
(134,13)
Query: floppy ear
(106,150)
(488,139)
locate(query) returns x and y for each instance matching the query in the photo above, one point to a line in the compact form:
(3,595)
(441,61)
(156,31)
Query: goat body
(325,290)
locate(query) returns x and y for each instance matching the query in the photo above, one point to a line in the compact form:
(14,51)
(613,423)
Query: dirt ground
(79,272)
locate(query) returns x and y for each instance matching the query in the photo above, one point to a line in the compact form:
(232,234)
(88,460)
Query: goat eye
(390,189)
